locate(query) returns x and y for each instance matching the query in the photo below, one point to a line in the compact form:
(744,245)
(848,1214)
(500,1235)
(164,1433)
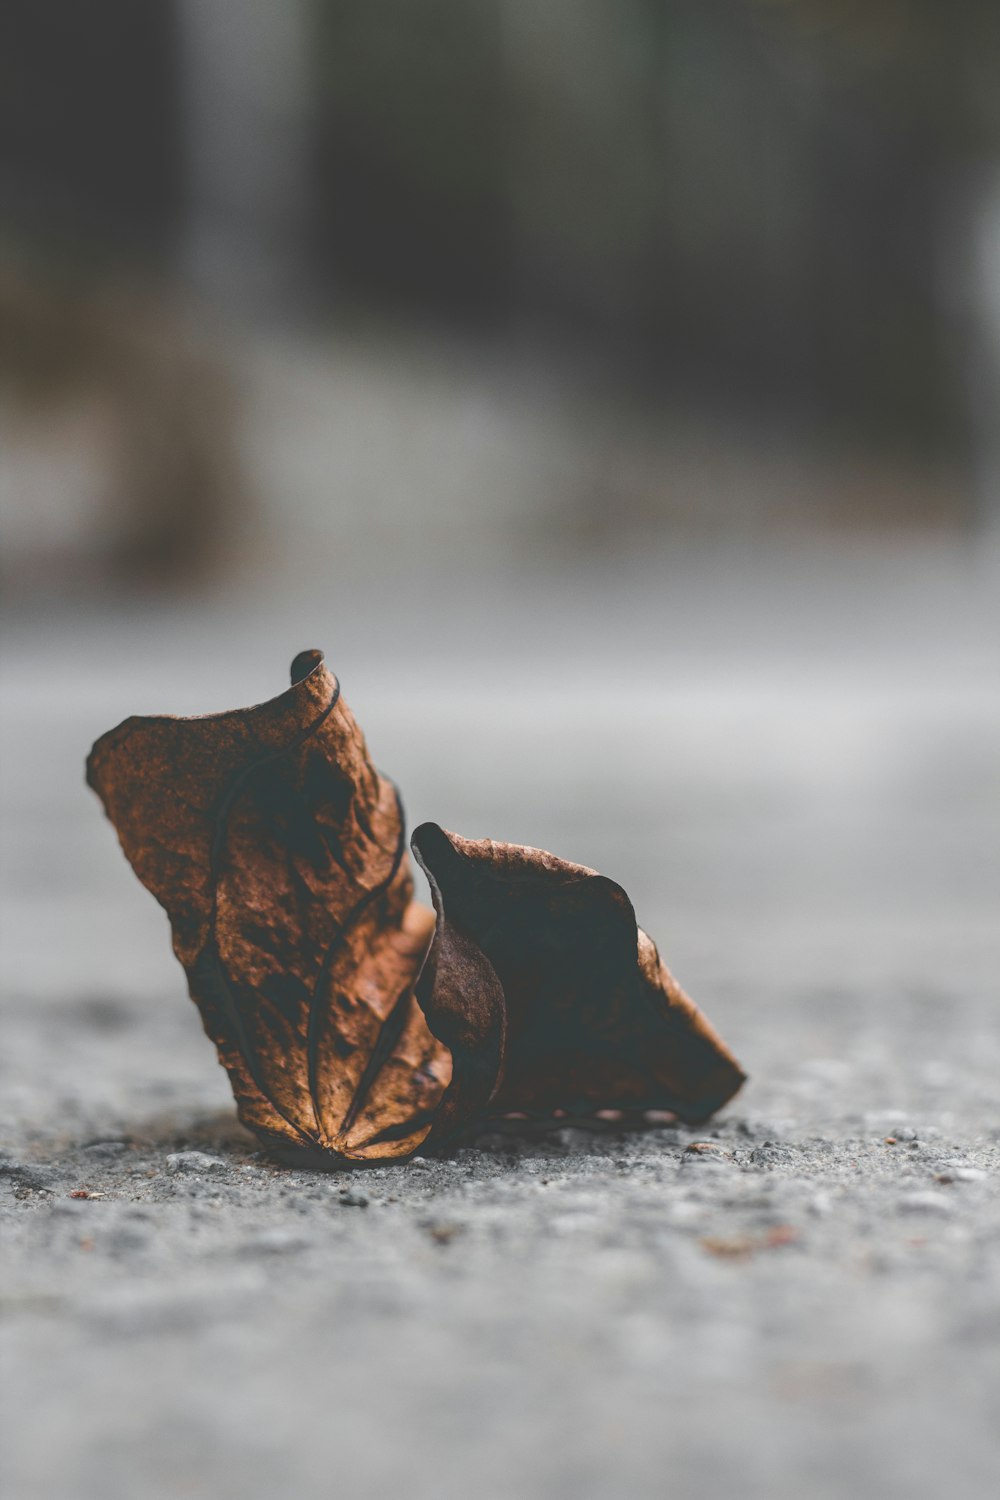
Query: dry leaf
(549,996)
(278,852)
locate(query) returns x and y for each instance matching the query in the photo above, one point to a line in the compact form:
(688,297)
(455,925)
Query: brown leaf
(549,996)
(278,852)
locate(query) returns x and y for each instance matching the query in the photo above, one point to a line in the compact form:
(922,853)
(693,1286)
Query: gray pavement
(792,765)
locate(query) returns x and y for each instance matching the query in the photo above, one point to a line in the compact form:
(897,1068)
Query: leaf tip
(432,844)
(304,663)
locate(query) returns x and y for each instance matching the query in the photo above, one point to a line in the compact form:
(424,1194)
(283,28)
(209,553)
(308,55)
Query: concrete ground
(792,765)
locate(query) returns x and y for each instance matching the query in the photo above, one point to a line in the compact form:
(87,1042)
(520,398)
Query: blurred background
(611,389)
(352,285)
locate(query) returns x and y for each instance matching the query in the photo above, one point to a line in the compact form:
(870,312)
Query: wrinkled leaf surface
(549,995)
(279,854)
(349,1021)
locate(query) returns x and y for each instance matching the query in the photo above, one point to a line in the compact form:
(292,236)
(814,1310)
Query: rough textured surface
(808,814)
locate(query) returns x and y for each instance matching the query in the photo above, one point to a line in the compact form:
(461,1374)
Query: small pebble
(29,1175)
(107,1150)
(194,1161)
(770,1154)
(705,1154)
(925,1203)
(962,1174)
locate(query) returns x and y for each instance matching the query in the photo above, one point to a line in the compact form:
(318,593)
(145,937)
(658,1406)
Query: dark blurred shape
(742,199)
(411,133)
(122,434)
(752,242)
(90,119)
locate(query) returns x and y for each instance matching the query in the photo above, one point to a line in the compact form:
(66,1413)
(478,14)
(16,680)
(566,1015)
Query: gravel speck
(353,1199)
(195,1162)
(926,1203)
